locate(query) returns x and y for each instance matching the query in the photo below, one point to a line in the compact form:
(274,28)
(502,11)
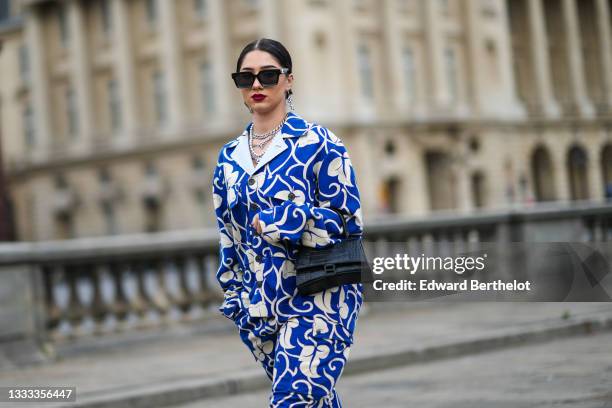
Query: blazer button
(259,284)
(254,207)
(258,258)
(291,196)
(251,181)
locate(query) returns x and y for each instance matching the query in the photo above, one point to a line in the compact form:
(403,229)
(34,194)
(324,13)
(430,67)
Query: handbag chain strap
(344,227)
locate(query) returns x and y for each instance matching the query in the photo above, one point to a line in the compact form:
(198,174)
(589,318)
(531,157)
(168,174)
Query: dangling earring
(248,107)
(290,101)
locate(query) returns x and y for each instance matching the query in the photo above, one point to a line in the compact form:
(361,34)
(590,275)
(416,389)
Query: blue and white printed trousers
(304,358)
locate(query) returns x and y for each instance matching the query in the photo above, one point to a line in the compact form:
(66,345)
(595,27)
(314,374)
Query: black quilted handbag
(345,262)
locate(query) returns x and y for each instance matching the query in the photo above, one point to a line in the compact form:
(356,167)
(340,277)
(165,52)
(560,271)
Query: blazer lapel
(242,155)
(295,126)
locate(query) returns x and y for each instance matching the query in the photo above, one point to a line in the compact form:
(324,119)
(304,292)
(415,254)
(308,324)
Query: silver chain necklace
(263,138)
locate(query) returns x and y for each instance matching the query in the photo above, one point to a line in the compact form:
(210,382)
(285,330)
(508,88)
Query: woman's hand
(255,224)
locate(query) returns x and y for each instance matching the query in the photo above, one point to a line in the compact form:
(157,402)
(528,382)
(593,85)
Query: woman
(273,188)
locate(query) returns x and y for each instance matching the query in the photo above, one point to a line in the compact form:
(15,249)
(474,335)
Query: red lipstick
(258,97)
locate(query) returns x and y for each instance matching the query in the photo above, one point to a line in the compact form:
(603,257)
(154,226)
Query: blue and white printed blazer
(305,171)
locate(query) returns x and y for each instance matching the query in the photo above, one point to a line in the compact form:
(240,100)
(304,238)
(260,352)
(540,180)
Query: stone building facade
(113,111)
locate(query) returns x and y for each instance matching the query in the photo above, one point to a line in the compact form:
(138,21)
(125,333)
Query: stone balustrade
(57,290)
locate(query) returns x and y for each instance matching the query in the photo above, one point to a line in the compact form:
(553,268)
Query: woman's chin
(263,108)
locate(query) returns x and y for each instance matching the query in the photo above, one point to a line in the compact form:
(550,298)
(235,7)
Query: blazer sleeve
(228,274)
(315,225)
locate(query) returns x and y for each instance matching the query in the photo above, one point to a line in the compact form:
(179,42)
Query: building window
(104,176)
(150,170)
(71,113)
(365,71)
(152,199)
(409,73)
(197,163)
(200,180)
(200,8)
(451,73)
(445,6)
(390,148)
(159,97)
(359,4)
(441,185)
(64,226)
(251,3)
(24,63)
(5,10)
(390,196)
(114,105)
(28,126)
(105,17)
(578,168)
(64,203)
(478,189)
(207,87)
(62,23)
(107,204)
(151,12)
(108,212)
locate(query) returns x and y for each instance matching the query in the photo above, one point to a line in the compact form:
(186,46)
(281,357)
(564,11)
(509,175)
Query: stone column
(595,175)
(172,63)
(460,169)
(40,84)
(219,58)
(82,75)
(475,61)
(394,83)
(491,96)
(347,57)
(124,68)
(605,41)
(415,171)
(561,174)
(575,59)
(439,92)
(361,151)
(541,60)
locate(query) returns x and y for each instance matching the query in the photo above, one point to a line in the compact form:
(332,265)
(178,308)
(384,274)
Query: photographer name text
(466,284)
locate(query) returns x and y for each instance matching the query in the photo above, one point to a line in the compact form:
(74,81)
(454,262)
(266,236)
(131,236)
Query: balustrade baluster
(75,306)
(160,298)
(54,313)
(473,235)
(61,294)
(120,305)
(85,289)
(182,298)
(204,295)
(140,301)
(98,307)
(458,242)
(444,243)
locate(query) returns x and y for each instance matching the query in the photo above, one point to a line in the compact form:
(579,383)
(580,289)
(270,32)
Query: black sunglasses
(266,77)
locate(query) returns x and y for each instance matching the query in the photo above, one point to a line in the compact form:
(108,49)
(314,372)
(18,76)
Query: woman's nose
(256,84)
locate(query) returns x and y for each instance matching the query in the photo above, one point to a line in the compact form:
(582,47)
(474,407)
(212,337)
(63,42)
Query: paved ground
(570,373)
(147,364)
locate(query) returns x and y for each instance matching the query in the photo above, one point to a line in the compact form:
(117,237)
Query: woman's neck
(266,122)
